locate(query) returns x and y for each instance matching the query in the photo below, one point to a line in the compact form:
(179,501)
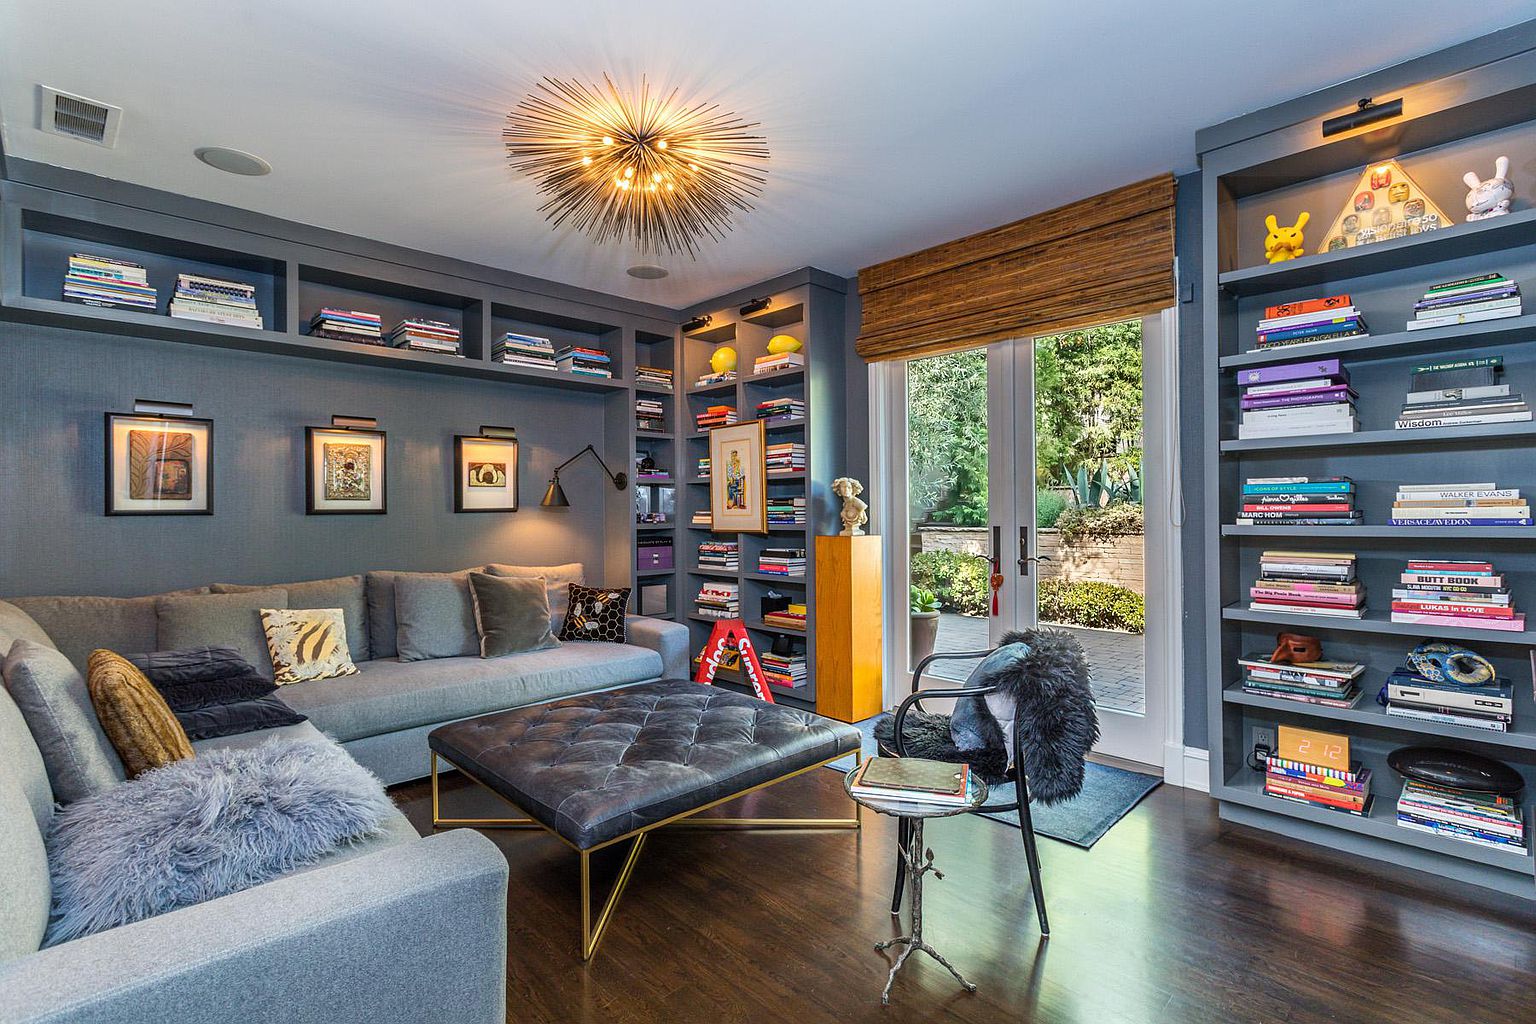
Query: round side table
(919,862)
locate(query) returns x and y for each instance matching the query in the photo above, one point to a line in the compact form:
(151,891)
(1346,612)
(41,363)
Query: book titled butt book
(912,779)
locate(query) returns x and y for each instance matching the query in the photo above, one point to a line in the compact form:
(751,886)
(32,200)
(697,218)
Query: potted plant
(924,623)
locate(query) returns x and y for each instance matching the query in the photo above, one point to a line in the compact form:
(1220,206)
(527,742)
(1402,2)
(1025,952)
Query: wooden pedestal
(848,628)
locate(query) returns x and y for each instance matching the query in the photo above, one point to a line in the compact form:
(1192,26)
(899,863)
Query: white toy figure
(1490,197)
(855,512)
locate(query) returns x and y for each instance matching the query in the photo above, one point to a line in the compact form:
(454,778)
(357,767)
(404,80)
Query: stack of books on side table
(1490,706)
(1308,583)
(1296,399)
(1468,595)
(1309,322)
(108,283)
(1467,301)
(347,325)
(1485,819)
(912,780)
(1299,501)
(1347,790)
(1480,504)
(1461,392)
(524,350)
(213,300)
(1327,683)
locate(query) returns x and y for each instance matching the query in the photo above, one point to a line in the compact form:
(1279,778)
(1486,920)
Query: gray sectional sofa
(383,930)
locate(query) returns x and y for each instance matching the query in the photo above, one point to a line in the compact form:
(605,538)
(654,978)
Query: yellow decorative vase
(782,343)
(723,360)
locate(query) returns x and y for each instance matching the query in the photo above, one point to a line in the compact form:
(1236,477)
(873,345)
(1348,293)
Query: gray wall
(1191,429)
(54,539)
(856,372)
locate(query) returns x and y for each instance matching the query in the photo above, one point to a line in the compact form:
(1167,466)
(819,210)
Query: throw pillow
(511,614)
(307,644)
(214,692)
(345,592)
(197,830)
(557,580)
(220,620)
(56,705)
(434,616)
(596,614)
(133,715)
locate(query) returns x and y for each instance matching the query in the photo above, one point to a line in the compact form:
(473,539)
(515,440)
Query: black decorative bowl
(1456,769)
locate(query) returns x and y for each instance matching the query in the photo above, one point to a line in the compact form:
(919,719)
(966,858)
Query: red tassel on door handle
(997,584)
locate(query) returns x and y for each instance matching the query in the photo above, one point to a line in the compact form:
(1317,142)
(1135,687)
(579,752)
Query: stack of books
(1461,392)
(784,511)
(1320,786)
(702,467)
(1467,595)
(792,617)
(421,335)
(912,780)
(776,409)
(108,283)
(1480,504)
(1331,684)
(786,669)
(1486,819)
(1308,583)
(347,325)
(1490,706)
(584,362)
(715,416)
(1296,399)
(524,350)
(1467,301)
(1299,501)
(781,361)
(782,562)
(720,554)
(715,378)
(703,517)
(653,377)
(213,300)
(719,601)
(785,457)
(1309,322)
(650,415)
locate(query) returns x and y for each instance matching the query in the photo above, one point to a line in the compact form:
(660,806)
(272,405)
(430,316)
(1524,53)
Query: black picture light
(554,495)
(1367,111)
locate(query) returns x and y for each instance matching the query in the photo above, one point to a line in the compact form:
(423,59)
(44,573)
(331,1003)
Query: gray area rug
(1108,795)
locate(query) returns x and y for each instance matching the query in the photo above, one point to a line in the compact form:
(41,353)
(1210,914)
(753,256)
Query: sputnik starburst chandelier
(651,169)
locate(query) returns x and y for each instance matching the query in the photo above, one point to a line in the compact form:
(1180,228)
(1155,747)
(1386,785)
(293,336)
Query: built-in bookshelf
(1266,164)
(657,568)
(808,306)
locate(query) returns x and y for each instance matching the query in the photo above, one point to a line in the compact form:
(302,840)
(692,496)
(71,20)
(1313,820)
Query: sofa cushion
(53,699)
(218,620)
(434,616)
(511,614)
(557,581)
(136,719)
(307,643)
(22,763)
(596,614)
(390,695)
(349,593)
(16,624)
(79,625)
(25,893)
(380,590)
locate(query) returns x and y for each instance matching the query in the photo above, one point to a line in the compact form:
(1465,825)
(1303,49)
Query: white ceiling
(892,125)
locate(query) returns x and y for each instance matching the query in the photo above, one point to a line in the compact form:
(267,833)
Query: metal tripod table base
(919,863)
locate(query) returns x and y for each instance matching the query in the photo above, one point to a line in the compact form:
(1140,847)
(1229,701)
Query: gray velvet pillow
(220,620)
(344,592)
(511,614)
(557,581)
(54,700)
(434,616)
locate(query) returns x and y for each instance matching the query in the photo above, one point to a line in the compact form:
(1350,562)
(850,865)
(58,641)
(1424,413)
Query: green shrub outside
(1080,524)
(1048,508)
(1092,603)
(959,581)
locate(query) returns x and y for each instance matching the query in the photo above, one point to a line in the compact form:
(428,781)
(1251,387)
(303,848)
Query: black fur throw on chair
(1047,687)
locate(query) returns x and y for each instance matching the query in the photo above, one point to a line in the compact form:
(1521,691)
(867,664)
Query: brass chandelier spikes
(652,170)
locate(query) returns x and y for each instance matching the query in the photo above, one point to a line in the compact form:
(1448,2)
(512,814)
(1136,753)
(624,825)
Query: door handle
(1025,558)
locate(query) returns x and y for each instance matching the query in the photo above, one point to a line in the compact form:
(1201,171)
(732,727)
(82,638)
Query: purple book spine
(1292,371)
(1468,298)
(1316,396)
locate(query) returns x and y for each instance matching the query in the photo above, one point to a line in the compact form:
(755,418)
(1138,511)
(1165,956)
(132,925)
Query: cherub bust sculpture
(855,512)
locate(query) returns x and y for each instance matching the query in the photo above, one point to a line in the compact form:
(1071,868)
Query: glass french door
(1024,468)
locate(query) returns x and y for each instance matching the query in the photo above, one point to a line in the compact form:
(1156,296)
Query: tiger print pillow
(306,643)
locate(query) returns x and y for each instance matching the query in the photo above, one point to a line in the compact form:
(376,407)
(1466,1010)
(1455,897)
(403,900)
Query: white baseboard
(1187,766)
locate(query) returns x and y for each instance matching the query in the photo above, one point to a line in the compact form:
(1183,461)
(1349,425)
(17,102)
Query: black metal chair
(1016,774)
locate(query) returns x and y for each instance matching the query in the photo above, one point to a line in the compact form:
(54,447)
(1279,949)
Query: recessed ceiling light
(647,271)
(233,160)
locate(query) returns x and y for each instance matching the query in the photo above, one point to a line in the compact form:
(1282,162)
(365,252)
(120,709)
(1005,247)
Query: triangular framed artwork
(1387,203)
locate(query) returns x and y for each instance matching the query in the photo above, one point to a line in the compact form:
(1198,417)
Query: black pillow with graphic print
(213,691)
(596,614)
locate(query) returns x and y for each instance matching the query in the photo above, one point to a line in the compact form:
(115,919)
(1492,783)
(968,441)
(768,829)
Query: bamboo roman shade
(1092,262)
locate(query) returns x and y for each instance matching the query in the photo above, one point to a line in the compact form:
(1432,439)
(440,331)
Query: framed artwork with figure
(738,479)
(158,465)
(344,471)
(485,471)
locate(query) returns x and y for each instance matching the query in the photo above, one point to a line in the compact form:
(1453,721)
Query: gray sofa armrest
(415,931)
(668,639)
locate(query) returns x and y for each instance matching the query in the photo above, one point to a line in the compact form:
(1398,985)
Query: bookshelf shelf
(1378,622)
(1476,436)
(773,319)
(764,627)
(1512,330)
(1368,713)
(768,577)
(1398,533)
(780,426)
(776,378)
(717,335)
(720,387)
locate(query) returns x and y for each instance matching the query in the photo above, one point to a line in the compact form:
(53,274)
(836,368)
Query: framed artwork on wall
(738,479)
(485,475)
(344,471)
(158,465)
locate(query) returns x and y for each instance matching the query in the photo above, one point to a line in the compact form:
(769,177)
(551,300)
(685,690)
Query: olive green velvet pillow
(511,614)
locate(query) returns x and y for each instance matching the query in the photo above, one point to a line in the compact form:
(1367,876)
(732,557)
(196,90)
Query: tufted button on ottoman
(601,768)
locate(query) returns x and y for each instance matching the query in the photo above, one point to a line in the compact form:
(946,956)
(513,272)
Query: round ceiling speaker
(647,271)
(233,161)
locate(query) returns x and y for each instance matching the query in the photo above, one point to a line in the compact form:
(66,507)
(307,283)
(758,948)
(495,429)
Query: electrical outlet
(1263,736)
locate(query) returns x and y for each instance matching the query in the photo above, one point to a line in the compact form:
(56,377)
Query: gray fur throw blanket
(203,828)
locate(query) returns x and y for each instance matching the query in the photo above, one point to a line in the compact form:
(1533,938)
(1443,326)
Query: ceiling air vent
(88,120)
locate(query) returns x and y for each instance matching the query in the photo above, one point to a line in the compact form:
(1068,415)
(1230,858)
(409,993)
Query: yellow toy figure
(1285,243)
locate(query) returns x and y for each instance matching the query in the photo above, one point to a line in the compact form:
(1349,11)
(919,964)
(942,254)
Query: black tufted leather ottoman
(605,767)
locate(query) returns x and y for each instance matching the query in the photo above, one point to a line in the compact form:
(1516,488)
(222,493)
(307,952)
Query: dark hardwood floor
(1172,917)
